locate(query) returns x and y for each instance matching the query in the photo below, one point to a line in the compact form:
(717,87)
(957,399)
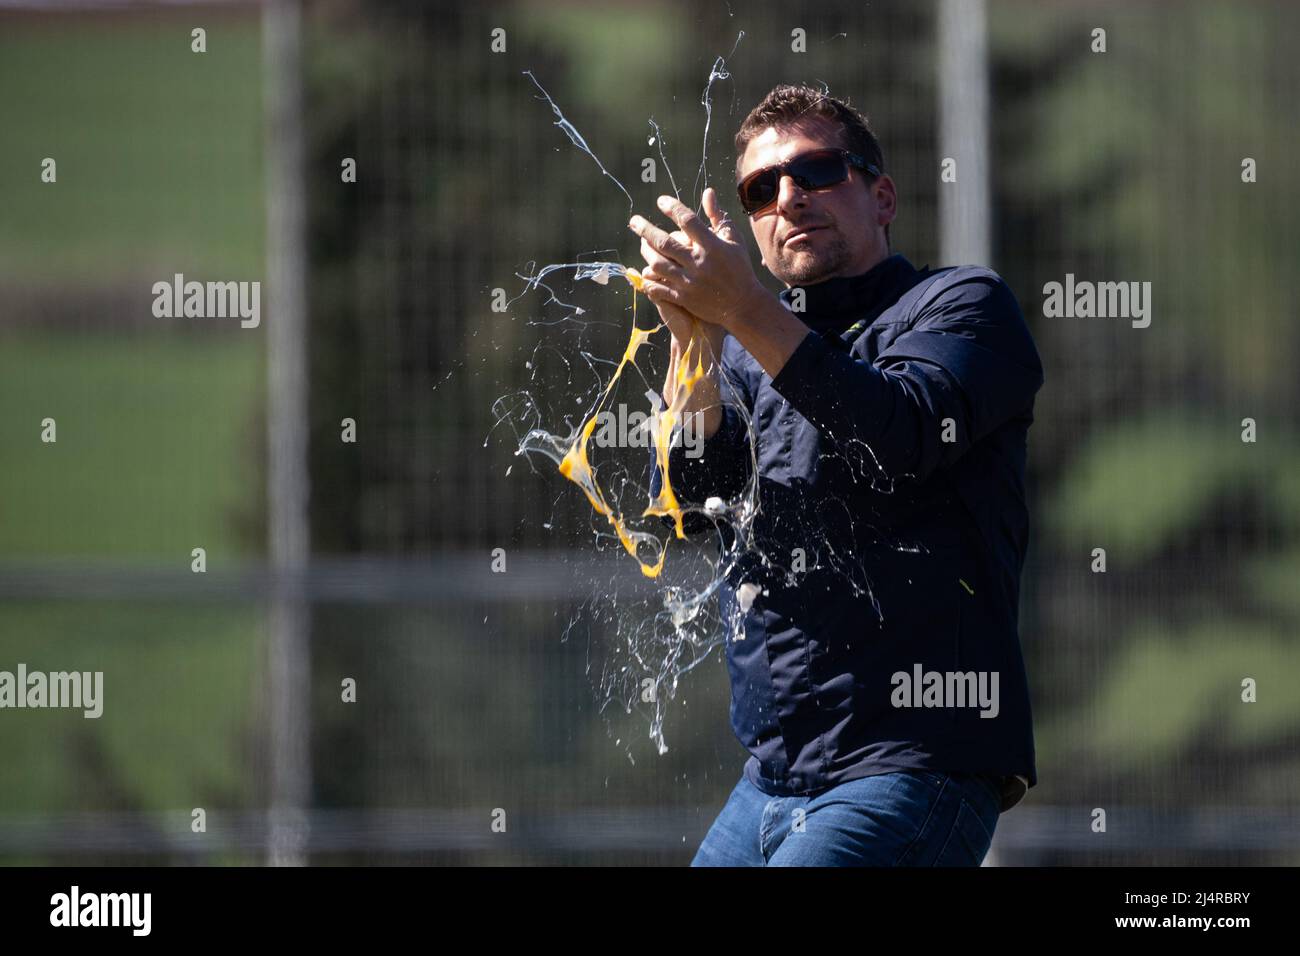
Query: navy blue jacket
(891,450)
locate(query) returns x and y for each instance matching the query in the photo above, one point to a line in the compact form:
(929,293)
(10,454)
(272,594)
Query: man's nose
(789,195)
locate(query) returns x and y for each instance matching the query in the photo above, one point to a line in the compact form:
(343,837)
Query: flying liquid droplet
(715,507)
(746,594)
(650,141)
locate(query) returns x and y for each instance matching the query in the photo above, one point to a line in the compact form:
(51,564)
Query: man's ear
(886,197)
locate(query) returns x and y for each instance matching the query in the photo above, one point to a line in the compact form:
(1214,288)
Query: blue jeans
(908,818)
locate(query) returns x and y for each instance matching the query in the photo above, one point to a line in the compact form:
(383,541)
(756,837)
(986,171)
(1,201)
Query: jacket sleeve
(968,357)
(722,464)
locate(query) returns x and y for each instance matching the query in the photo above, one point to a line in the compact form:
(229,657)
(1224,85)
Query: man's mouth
(801,235)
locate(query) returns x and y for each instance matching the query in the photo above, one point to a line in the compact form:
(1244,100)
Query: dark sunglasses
(816,169)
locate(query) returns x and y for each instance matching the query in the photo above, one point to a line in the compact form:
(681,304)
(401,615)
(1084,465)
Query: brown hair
(788,105)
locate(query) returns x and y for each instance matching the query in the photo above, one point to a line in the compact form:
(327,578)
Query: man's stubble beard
(797,269)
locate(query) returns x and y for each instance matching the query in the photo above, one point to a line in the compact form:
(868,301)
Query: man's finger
(657,292)
(675,317)
(659,265)
(674,313)
(661,241)
(722,223)
(690,223)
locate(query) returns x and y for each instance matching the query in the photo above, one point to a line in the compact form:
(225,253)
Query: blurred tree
(1127,165)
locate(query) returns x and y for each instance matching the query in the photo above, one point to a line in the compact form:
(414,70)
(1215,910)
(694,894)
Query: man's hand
(703,270)
(683,326)
(704,398)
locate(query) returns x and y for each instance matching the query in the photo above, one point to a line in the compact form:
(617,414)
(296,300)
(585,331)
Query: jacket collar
(832,305)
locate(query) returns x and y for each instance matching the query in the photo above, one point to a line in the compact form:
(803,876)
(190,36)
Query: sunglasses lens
(759,190)
(815,170)
(818,170)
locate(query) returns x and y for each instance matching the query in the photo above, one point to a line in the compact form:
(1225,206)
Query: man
(877,677)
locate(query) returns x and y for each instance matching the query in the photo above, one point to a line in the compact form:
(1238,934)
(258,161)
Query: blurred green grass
(174,733)
(159,154)
(158,148)
(156,439)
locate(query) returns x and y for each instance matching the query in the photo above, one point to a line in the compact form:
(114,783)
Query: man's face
(845,223)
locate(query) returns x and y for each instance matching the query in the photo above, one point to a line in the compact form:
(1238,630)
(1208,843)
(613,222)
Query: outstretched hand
(703,270)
